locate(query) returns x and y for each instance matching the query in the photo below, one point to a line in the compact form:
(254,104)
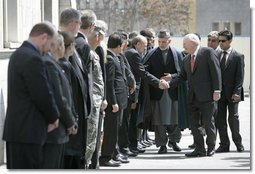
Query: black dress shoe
(111,163)
(240,148)
(222,149)
(162,150)
(192,146)
(195,153)
(174,146)
(138,149)
(120,159)
(210,152)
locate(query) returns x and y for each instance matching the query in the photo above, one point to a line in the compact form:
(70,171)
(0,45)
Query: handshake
(164,81)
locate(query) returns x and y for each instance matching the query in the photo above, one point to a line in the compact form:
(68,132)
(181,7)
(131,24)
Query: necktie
(192,62)
(223,61)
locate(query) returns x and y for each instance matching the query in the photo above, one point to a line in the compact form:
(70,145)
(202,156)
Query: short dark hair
(226,33)
(123,34)
(69,15)
(41,28)
(114,40)
(147,33)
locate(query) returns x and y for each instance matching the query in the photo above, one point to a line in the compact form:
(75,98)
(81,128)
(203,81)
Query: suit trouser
(110,134)
(53,156)
(233,121)
(207,111)
(124,127)
(24,155)
(161,131)
(133,130)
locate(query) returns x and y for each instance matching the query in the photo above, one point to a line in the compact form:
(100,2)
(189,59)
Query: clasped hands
(163,83)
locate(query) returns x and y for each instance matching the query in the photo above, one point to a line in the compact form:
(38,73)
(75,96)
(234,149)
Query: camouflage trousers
(92,130)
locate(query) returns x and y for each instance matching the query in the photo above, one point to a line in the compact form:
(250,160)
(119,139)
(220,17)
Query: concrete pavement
(232,160)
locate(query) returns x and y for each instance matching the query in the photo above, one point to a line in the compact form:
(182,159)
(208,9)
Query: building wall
(1,23)
(209,11)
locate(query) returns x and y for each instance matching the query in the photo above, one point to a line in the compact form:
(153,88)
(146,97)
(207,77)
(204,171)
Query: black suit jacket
(30,105)
(115,83)
(77,143)
(158,67)
(62,93)
(206,77)
(100,52)
(83,50)
(233,75)
(138,69)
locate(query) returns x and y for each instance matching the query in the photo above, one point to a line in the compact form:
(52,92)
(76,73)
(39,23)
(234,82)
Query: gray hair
(69,15)
(192,37)
(101,24)
(213,34)
(88,18)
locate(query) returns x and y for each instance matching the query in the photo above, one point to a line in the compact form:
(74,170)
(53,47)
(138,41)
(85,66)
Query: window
(238,29)
(215,26)
(226,26)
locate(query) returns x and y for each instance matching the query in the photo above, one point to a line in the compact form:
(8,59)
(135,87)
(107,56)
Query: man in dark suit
(31,109)
(201,69)
(232,72)
(75,148)
(134,56)
(117,95)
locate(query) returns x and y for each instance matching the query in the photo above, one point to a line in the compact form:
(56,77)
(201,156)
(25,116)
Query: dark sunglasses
(222,41)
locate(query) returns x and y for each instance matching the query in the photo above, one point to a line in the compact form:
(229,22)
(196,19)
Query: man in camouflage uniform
(98,92)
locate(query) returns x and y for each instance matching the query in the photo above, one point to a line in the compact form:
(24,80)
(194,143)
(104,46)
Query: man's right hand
(163,84)
(115,108)
(53,126)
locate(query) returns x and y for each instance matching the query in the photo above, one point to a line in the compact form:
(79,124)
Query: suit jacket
(138,69)
(77,143)
(233,75)
(100,52)
(83,50)
(62,93)
(128,75)
(115,84)
(30,105)
(206,77)
(158,67)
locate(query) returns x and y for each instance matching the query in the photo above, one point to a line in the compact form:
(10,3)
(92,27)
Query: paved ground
(177,160)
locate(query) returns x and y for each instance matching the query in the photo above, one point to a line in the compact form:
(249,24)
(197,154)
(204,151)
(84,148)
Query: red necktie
(192,63)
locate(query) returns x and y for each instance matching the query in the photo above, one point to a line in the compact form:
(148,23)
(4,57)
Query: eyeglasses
(223,41)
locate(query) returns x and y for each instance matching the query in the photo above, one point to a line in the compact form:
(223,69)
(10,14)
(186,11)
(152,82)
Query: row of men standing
(50,95)
(31,114)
